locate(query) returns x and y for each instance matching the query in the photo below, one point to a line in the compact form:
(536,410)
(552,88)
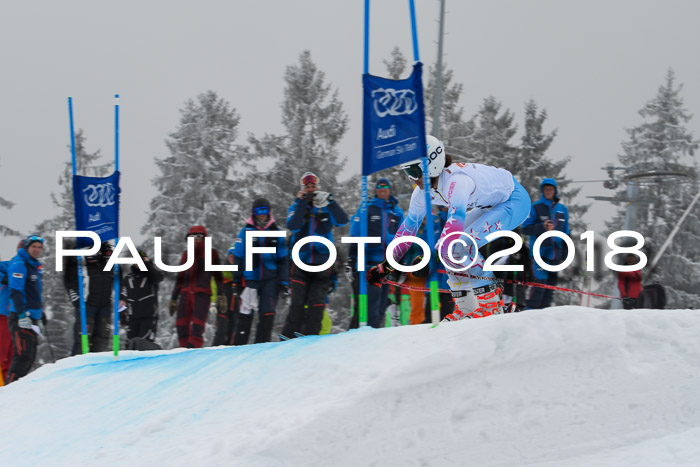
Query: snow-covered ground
(566,386)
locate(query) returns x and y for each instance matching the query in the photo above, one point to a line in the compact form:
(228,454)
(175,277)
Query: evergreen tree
(5,230)
(663,143)
(203,182)
(315,122)
(489,138)
(397,64)
(454,131)
(534,165)
(58,309)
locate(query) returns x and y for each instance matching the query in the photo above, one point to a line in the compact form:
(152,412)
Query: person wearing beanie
(98,304)
(267,280)
(383,219)
(545,215)
(25,307)
(313,213)
(193,289)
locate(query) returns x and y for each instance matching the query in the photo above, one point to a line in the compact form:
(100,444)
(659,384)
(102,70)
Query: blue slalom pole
(84,342)
(362,299)
(434,298)
(414,31)
(115,338)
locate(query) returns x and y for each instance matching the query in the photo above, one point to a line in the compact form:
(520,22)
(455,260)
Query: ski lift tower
(671,173)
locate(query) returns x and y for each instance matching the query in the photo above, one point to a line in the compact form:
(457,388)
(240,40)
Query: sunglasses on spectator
(197,235)
(261,211)
(383,187)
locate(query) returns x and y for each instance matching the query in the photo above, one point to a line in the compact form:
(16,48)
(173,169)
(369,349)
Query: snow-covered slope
(565,386)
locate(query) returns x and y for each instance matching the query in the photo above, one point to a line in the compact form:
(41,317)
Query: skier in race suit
(480,200)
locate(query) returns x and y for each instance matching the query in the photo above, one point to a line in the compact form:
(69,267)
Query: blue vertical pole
(434,298)
(115,339)
(362,300)
(84,343)
(414,31)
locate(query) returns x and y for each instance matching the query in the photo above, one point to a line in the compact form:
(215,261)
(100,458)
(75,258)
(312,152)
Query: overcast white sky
(591,64)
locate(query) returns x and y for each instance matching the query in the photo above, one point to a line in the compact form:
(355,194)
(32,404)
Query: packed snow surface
(565,386)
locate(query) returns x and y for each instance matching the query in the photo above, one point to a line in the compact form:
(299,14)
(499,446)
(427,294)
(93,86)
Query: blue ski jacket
(4,289)
(383,219)
(265,265)
(25,285)
(306,220)
(553,250)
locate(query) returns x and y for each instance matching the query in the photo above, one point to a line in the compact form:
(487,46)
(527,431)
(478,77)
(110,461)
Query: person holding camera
(314,213)
(545,215)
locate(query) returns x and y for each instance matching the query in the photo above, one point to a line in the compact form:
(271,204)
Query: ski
(283,337)
(298,334)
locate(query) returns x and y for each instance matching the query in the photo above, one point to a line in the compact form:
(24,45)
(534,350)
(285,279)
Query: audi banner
(393,121)
(96,206)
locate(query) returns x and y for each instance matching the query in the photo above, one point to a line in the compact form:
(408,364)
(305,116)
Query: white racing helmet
(435,151)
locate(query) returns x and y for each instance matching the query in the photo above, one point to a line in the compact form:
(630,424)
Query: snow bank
(564,386)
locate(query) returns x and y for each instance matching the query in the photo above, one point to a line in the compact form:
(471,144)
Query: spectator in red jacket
(630,284)
(193,288)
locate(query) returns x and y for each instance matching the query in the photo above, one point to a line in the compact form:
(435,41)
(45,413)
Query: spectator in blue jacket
(384,216)
(267,280)
(26,305)
(545,215)
(314,213)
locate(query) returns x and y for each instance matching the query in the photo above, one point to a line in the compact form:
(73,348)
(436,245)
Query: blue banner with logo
(96,202)
(393,121)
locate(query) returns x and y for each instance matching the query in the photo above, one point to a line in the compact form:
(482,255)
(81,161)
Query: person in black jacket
(98,306)
(140,291)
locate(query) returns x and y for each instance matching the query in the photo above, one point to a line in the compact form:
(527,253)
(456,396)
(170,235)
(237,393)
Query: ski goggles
(383,186)
(309,179)
(34,238)
(261,211)
(413,171)
(196,235)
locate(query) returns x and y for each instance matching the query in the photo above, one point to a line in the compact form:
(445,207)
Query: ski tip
(298,334)
(283,337)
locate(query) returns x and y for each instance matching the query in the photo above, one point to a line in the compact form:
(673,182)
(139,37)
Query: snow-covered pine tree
(315,121)
(488,141)
(454,131)
(203,182)
(5,230)
(534,164)
(59,311)
(664,143)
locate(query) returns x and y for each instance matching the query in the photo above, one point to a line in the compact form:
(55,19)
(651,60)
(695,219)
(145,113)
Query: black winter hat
(260,203)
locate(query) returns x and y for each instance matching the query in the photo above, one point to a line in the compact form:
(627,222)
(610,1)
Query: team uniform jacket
(305,220)
(383,220)
(25,285)
(265,265)
(553,250)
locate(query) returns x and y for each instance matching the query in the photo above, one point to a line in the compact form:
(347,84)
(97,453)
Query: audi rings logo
(99,196)
(394,102)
